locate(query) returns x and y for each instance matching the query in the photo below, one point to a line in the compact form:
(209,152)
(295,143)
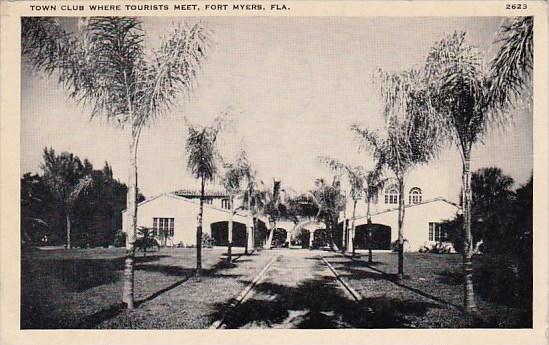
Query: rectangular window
(208,201)
(164,227)
(437,233)
(391,198)
(225,203)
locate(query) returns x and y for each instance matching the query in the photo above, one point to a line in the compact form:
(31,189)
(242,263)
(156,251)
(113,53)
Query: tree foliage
(202,153)
(104,65)
(97,213)
(511,69)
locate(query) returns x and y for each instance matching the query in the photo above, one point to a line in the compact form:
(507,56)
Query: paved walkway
(297,291)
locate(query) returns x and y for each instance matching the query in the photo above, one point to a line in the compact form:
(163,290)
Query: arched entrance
(220,234)
(302,238)
(280,236)
(320,238)
(381,236)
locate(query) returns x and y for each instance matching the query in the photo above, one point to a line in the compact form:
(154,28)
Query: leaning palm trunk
(468,291)
(230,232)
(400,228)
(131,202)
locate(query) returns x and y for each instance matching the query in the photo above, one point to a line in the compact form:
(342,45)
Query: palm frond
(511,69)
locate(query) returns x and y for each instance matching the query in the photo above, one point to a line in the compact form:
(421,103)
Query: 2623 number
(516,6)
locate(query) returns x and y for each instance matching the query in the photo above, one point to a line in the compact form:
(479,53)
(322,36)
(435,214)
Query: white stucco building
(173,217)
(428,203)
(430,199)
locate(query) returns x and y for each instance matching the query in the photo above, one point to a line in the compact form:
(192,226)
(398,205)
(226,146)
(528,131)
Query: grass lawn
(82,288)
(429,296)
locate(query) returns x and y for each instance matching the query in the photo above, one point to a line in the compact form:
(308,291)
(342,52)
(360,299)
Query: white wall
(416,221)
(185,213)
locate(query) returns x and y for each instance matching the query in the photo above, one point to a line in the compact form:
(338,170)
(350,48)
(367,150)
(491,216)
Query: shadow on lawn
(392,277)
(317,304)
(78,275)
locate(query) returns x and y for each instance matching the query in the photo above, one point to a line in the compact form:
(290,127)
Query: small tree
(330,202)
(67,179)
(357,180)
(202,161)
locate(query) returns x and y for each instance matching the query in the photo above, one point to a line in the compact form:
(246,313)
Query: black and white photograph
(276,172)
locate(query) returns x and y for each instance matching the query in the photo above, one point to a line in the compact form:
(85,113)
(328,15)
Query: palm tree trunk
(131,206)
(468,291)
(345,228)
(68,218)
(400,227)
(199,231)
(269,243)
(230,232)
(369,229)
(351,240)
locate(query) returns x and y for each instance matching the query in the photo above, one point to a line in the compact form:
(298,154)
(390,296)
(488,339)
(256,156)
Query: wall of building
(416,221)
(185,214)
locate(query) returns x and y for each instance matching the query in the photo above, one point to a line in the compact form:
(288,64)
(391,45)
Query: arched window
(414,196)
(391,194)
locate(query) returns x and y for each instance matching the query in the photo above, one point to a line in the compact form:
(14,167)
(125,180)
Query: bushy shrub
(436,248)
(207,240)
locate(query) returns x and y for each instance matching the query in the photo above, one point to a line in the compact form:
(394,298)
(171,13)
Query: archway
(280,236)
(220,234)
(381,236)
(302,238)
(320,238)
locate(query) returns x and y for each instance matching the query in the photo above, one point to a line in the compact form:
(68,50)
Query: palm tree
(273,207)
(66,179)
(357,180)
(466,106)
(234,175)
(252,201)
(330,201)
(103,64)
(202,161)
(411,137)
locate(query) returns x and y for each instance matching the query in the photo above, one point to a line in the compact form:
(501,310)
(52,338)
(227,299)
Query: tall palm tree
(202,161)
(357,181)
(466,106)
(235,173)
(104,65)
(411,138)
(66,179)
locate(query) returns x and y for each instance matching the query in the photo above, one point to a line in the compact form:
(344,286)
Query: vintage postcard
(274,172)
